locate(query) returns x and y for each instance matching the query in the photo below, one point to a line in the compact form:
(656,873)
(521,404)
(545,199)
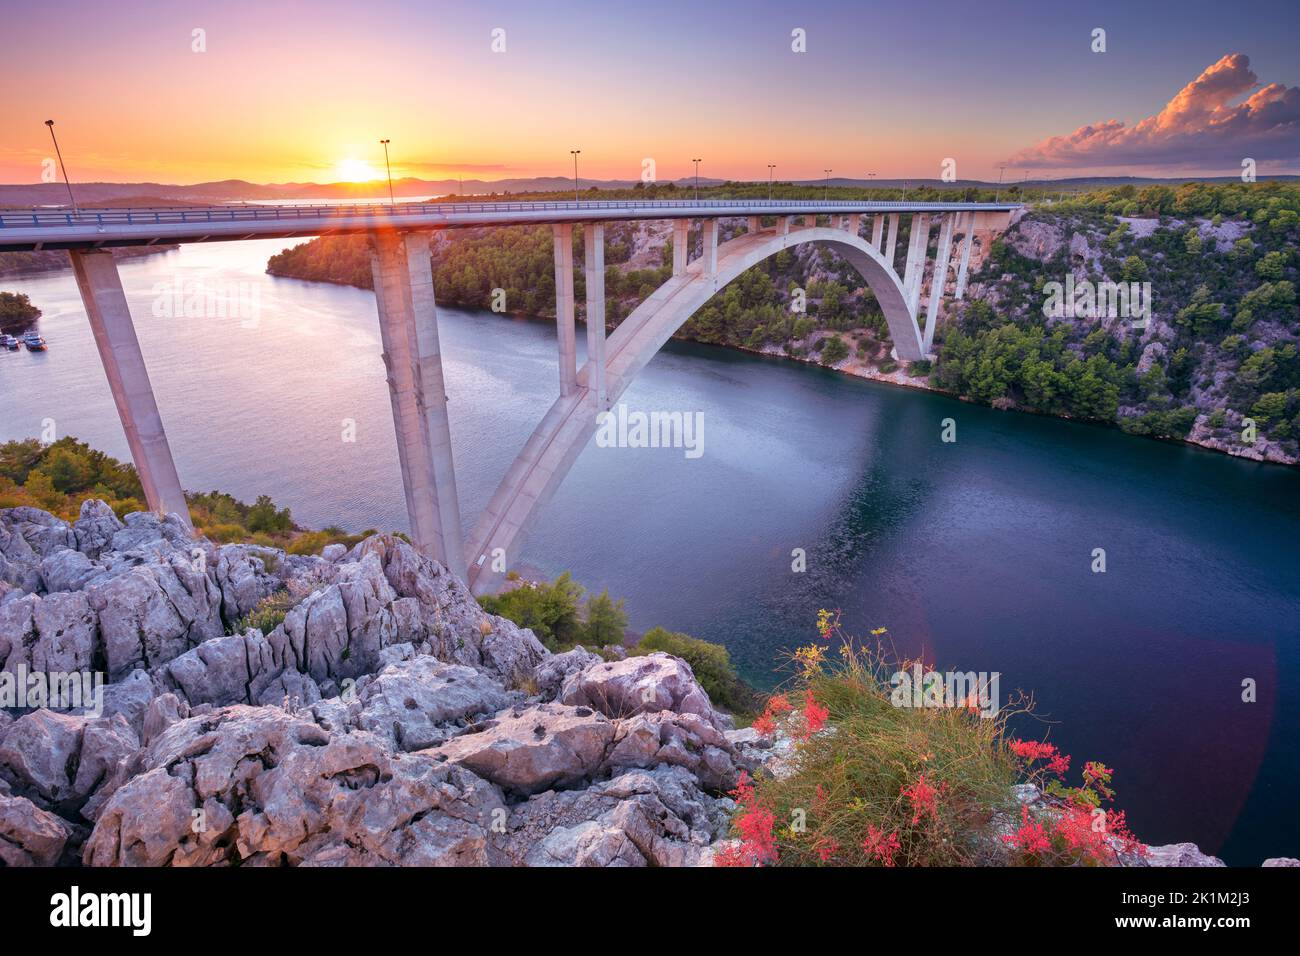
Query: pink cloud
(1201,127)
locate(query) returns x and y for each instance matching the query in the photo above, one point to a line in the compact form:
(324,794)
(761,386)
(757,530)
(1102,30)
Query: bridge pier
(128,380)
(681,248)
(918,242)
(755,224)
(877,232)
(893,239)
(564,320)
(968,223)
(855,223)
(938,280)
(710,230)
(408,326)
(594,275)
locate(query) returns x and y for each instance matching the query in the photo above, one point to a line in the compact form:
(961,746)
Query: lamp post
(998,193)
(770,167)
(391,200)
(827,188)
(697,178)
(66,181)
(574,153)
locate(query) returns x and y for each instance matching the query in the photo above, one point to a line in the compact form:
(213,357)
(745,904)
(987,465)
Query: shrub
(909,786)
(269,612)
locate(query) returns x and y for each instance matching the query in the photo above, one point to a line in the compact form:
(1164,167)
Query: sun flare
(356,171)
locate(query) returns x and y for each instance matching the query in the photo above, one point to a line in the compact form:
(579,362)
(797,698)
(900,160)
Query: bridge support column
(594,243)
(755,224)
(408,327)
(937,281)
(893,239)
(783,224)
(855,223)
(681,240)
(567,338)
(128,380)
(918,242)
(710,229)
(969,227)
(878,232)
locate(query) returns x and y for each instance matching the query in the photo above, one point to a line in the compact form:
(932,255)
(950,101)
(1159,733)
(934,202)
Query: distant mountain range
(234,190)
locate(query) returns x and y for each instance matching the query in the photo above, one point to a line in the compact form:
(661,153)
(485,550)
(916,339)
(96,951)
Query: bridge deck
(44,228)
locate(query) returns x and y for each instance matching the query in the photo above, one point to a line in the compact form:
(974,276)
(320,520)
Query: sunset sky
(303,91)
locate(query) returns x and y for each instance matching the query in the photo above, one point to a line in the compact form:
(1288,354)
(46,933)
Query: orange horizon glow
(291,93)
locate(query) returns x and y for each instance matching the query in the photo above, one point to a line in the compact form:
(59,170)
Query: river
(977,553)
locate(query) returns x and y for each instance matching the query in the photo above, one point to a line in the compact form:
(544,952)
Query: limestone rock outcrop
(384,720)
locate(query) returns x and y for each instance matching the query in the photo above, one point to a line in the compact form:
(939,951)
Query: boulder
(422,702)
(259,786)
(1180,854)
(640,685)
(530,749)
(551,673)
(30,836)
(155,611)
(95,528)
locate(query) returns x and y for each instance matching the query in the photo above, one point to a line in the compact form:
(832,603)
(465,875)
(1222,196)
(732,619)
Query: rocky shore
(385,720)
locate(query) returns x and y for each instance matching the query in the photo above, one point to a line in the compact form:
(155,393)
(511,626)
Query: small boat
(34,342)
(8,342)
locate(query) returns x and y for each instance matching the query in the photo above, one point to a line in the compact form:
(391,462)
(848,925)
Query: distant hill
(234,190)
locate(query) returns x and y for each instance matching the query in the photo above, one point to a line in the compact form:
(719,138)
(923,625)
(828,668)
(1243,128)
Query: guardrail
(167,215)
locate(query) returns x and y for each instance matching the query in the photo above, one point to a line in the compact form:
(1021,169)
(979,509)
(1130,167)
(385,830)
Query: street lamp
(827,188)
(574,153)
(770,167)
(391,200)
(66,181)
(998,192)
(697,178)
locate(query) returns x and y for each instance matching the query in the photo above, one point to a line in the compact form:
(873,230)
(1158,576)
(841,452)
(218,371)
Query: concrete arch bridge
(408,321)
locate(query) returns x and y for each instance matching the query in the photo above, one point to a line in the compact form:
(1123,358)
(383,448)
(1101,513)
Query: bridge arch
(569,424)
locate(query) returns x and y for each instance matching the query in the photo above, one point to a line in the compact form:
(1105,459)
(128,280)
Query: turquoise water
(976,553)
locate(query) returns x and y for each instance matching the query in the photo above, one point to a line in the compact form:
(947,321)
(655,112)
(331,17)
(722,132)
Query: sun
(356,171)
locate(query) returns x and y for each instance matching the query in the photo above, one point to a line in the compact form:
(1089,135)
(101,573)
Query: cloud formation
(1200,127)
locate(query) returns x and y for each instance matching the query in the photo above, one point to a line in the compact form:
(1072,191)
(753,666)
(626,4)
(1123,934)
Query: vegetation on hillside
(560,617)
(1225,329)
(871,782)
(57,477)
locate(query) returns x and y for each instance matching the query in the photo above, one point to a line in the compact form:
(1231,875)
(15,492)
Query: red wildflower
(814,716)
(779,704)
(827,850)
(765,725)
(754,824)
(922,797)
(1030,837)
(880,847)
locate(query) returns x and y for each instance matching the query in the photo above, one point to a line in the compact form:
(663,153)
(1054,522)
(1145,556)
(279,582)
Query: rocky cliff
(387,719)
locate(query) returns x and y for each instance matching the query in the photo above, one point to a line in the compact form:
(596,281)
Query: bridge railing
(168,215)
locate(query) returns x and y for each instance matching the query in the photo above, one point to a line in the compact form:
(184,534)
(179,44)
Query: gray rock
(68,570)
(422,702)
(95,528)
(30,836)
(1281,861)
(273,788)
(640,685)
(531,749)
(154,612)
(1180,854)
(551,673)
